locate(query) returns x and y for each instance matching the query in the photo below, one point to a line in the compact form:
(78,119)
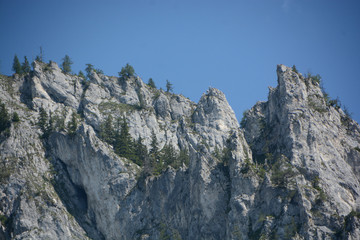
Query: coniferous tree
(217,153)
(147,167)
(294,69)
(66,65)
(154,145)
(72,125)
(123,143)
(89,68)
(169,87)
(168,155)
(59,122)
(4,118)
(151,83)
(126,72)
(107,130)
(15,117)
(81,74)
(17,66)
(43,123)
(154,159)
(43,119)
(26,66)
(99,71)
(38,59)
(140,152)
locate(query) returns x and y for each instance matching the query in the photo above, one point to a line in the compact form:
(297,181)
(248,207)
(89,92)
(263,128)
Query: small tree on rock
(81,75)
(169,86)
(43,120)
(72,125)
(168,155)
(66,65)
(123,143)
(17,66)
(126,72)
(107,130)
(89,68)
(154,151)
(15,117)
(4,118)
(43,123)
(151,83)
(26,66)
(294,69)
(140,152)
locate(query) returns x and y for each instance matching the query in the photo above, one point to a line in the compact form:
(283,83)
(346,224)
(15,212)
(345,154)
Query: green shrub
(15,117)
(315,79)
(156,95)
(46,68)
(99,71)
(281,173)
(89,68)
(244,119)
(26,66)
(72,125)
(294,69)
(4,118)
(317,106)
(169,86)
(335,103)
(17,66)
(66,65)
(321,196)
(81,75)
(3,220)
(126,72)
(43,122)
(151,83)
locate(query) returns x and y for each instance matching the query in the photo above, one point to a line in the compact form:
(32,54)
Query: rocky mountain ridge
(290,172)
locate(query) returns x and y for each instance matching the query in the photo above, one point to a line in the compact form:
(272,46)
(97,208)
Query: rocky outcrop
(292,172)
(296,133)
(30,207)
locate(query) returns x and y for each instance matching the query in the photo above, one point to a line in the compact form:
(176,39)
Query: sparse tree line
(49,123)
(153,161)
(336,103)
(125,73)
(116,133)
(317,79)
(19,68)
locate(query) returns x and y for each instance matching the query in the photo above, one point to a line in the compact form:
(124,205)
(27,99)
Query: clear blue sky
(233,45)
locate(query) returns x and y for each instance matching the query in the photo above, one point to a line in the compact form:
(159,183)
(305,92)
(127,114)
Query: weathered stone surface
(297,124)
(292,172)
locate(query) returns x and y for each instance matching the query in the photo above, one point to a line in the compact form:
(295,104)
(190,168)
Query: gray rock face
(318,147)
(50,83)
(292,172)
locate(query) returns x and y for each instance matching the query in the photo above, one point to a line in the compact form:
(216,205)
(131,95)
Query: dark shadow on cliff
(74,199)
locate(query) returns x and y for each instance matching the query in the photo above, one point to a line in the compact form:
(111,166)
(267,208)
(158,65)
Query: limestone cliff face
(315,148)
(292,172)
